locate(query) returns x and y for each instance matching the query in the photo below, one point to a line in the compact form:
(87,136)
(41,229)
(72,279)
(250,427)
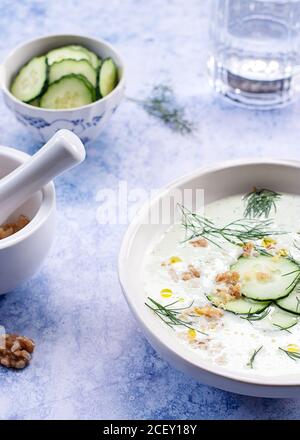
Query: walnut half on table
(15,351)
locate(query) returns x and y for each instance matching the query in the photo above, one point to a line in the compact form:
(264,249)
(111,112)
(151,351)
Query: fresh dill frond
(260,202)
(252,358)
(293,355)
(237,232)
(262,251)
(285,328)
(170,315)
(257,316)
(162,104)
(296,280)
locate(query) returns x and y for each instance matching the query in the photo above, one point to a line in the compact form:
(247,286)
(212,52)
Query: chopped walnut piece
(247,249)
(192,272)
(15,351)
(221,277)
(12,228)
(234,277)
(224,296)
(6,231)
(21,222)
(186,276)
(202,344)
(235,291)
(209,311)
(201,242)
(230,277)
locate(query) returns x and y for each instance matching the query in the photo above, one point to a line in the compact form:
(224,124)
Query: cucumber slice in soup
(108,77)
(69,92)
(67,52)
(282,320)
(266,278)
(290,303)
(241,306)
(31,80)
(67,67)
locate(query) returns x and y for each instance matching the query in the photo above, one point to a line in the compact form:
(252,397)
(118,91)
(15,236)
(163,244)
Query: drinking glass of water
(255,51)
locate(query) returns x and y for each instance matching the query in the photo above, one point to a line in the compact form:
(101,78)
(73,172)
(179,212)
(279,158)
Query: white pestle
(62,152)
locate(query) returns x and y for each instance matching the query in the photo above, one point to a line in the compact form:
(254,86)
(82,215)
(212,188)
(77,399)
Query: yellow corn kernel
(293,348)
(282,253)
(276,258)
(198,311)
(192,333)
(166,293)
(173,260)
(268,242)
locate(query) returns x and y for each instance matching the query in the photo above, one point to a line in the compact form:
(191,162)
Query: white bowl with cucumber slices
(215,286)
(63,81)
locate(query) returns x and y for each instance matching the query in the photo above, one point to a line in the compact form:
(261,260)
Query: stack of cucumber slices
(266,281)
(67,77)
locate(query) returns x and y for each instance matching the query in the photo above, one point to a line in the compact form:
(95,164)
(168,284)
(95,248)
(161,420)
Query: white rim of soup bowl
(143,315)
(120,85)
(46,208)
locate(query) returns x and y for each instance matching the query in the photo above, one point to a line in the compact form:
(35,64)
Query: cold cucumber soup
(227,283)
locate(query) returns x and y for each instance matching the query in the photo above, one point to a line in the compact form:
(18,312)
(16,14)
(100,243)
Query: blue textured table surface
(91,359)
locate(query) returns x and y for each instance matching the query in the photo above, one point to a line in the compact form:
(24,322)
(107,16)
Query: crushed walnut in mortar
(11,228)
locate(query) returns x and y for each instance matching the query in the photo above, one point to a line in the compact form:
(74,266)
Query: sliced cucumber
(241,306)
(67,67)
(290,303)
(266,278)
(35,102)
(67,52)
(31,80)
(94,59)
(108,77)
(69,92)
(282,320)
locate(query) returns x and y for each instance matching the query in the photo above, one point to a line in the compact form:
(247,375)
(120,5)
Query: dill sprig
(286,329)
(296,280)
(262,251)
(260,202)
(298,303)
(171,315)
(293,355)
(237,232)
(162,104)
(252,358)
(257,316)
